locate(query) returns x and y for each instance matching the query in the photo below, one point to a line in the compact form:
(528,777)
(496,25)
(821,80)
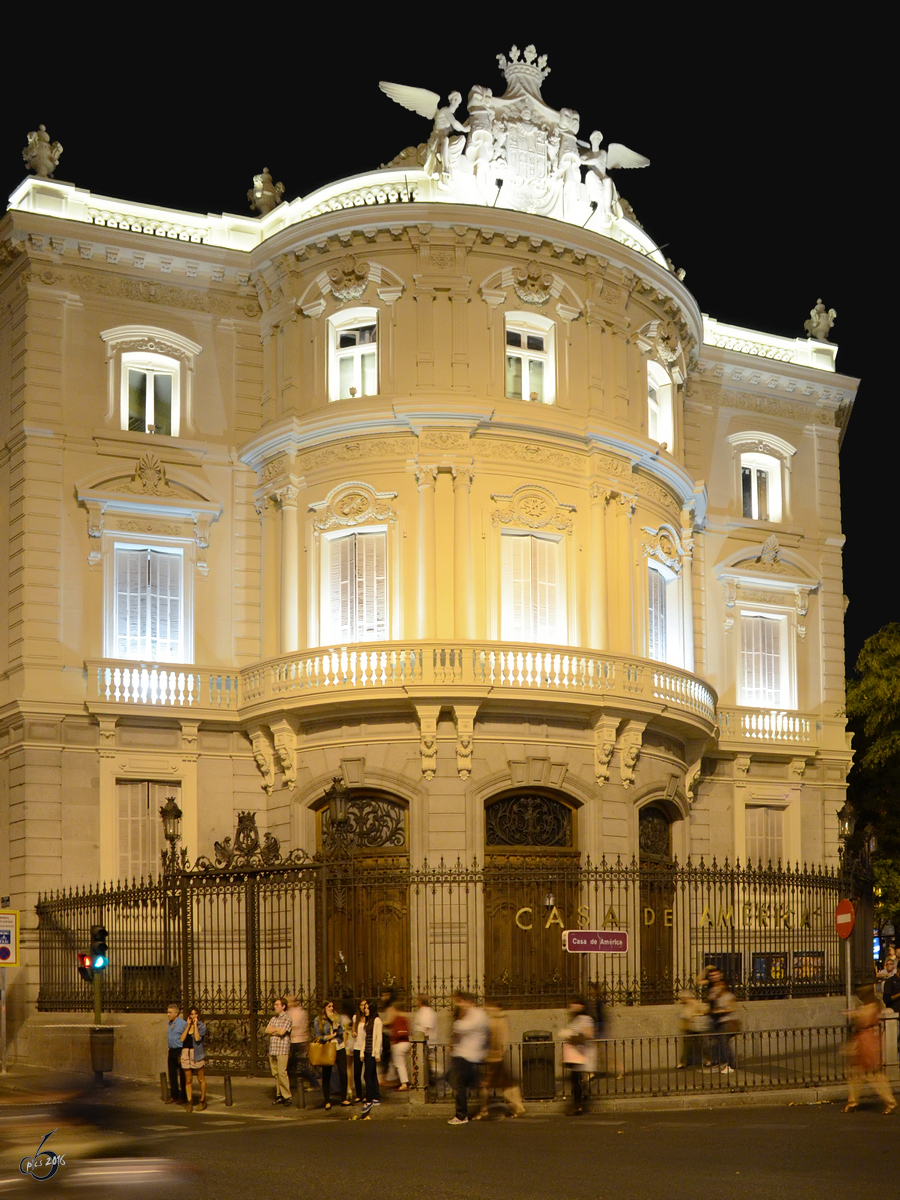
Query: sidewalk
(252,1096)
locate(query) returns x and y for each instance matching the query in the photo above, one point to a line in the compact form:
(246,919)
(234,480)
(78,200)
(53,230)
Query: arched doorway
(531,894)
(364,918)
(657,874)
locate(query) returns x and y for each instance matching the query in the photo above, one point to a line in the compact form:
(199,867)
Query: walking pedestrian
(298,1056)
(864,1051)
(470,1041)
(497,1075)
(425,1025)
(193,1058)
(722,1003)
(387,1010)
(329,1030)
(176,1027)
(400,1048)
(579,1051)
(695,1025)
(278,1031)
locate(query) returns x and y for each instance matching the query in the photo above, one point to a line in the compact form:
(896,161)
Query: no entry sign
(595,941)
(844,918)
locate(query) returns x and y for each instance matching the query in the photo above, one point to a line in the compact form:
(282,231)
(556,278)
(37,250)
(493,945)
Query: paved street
(804,1151)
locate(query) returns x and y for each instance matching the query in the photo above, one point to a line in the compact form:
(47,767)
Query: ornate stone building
(437,481)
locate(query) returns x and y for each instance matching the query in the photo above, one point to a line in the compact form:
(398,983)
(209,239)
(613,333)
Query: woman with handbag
(329,1050)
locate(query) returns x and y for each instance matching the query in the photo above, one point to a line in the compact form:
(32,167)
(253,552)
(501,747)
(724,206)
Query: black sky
(747,117)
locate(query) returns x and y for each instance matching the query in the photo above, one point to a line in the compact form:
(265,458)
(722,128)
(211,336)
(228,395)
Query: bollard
(228,1097)
(163,1086)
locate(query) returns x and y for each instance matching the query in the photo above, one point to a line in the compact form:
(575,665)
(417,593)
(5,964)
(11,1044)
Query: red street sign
(844,918)
(595,941)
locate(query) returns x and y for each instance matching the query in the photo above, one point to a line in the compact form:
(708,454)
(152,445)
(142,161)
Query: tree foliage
(873,713)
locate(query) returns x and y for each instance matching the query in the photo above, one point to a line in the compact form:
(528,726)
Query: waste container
(538,1065)
(102,1040)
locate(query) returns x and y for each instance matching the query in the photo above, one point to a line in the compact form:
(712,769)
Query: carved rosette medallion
(664,546)
(353,504)
(533,507)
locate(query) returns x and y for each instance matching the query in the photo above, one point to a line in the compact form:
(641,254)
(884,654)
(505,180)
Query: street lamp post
(171,816)
(337,854)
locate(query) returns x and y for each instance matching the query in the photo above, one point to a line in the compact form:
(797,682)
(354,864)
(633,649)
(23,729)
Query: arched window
(150,379)
(530,820)
(763,463)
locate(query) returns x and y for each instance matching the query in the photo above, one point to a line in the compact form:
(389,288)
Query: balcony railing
(162,685)
(348,669)
(754,725)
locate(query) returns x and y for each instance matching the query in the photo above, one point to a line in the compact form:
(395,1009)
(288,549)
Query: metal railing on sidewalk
(750,1060)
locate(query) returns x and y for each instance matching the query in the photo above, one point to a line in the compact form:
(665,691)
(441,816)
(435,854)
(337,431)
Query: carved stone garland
(528,821)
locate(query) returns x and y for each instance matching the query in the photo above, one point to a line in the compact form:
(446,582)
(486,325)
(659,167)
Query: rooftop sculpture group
(518,143)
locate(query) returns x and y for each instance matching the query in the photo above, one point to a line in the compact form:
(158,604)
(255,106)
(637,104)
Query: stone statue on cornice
(40,154)
(443,151)
(600,187)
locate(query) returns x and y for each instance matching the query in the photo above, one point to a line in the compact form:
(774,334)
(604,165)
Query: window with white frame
(150,374)
(353,369)
(149,616)
(529,358)
(660,421)
(355,592)
(150,394)
(532,589)
(139,828)
(764,833)
(766,669)
(760,487)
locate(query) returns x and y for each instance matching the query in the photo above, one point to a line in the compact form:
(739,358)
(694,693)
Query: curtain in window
(761,661)
(656,586)
(764,828)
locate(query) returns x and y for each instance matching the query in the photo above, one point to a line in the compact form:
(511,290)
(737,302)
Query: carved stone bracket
(630,743)
(108,737)
(284,735)
(742,764)
(348,278)
(605,730)
(798,767)
(687,530)
(729,593)
(189,735)
(264,758)
(464,718)
(533,285)
(694,751)
(353,503)
(428,717)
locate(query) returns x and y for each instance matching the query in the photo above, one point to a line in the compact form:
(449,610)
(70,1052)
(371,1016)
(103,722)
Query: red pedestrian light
(85,968)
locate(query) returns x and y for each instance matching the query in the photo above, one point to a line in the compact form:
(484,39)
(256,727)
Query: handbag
(322,1054)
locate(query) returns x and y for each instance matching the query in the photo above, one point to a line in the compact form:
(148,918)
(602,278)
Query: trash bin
(102,1040)
(538,1065)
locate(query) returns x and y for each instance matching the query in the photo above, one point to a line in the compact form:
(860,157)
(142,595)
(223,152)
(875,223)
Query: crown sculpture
(516,143)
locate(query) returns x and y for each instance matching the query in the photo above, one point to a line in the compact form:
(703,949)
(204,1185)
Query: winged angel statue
(442,151)
(600,188)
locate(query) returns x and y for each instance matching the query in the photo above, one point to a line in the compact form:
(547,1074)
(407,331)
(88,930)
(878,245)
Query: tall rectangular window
(532,589)
(139,827)
(764,831)
(357,591)
(150,401)
(755,492)
(761,661)
(149,604)
(356,360)
(656,584)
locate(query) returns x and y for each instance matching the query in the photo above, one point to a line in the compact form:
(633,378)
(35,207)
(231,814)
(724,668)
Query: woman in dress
(193,1059)
(329,1028)
(864,1051)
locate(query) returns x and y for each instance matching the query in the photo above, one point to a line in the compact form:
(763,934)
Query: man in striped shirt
(279,1032)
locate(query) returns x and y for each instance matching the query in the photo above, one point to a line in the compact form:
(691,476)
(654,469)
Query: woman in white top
(369,1031)
(579,1050)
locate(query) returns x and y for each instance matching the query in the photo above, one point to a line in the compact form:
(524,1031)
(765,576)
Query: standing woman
(579,1050)
(328,1028)
(370,1032)
(193,1058)
(357,1042)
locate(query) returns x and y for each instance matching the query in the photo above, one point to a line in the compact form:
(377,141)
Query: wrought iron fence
(232,936)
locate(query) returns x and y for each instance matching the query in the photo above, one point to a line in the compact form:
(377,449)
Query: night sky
(753,187)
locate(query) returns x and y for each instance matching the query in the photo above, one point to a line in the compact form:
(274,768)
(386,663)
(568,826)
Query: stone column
(426,477)
(687,586)
(270,583)
(290,549)
(598,576)
(464,595)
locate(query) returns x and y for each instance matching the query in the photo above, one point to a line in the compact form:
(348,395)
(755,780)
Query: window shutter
(515,584)
(656,586)
(761,660)
(371,587)
(164,625)
(342,597)
(131,601)
(546,590)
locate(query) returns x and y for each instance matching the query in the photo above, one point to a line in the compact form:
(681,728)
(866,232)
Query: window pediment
(532,507)
(351,504)
(664,545)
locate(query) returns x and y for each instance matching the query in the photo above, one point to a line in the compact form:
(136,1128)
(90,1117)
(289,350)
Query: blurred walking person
(497,1075)
(470,1041)
(695,1025)
(298,1056)
(425,1025)
(329,1030)
(400,1048)
(864,1051)
(579,1051)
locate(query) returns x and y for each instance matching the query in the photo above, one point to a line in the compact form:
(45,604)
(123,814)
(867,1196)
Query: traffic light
(99,948)
(84,966)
